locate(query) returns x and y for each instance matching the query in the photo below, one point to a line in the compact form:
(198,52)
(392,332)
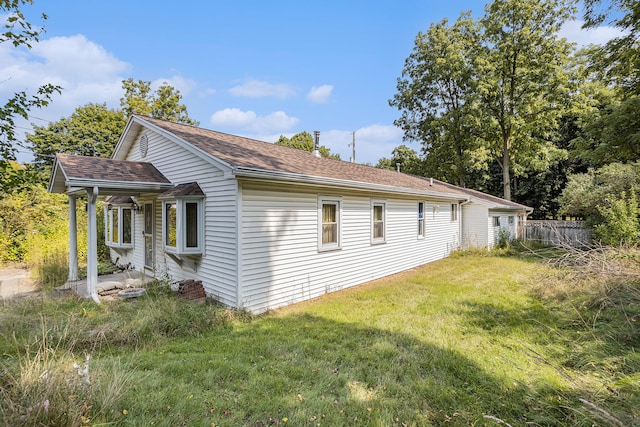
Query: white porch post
(92,244)
(73,240)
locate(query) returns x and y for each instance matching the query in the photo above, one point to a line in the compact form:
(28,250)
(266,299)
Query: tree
(304,141)
(620,58)
(436,97)
(522,82)
(91,130)
(19,32)
(404,158)
(495,89)
(163,104)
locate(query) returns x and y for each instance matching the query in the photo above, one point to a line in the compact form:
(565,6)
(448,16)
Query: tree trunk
(506,178)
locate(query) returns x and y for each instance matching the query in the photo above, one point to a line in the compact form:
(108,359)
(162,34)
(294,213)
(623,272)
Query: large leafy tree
(91,130)
(495,89)
(436,98)
(523,84)
(620,57)
(163,104)
(19,32)
(405,159)
(304,141)
(614,131)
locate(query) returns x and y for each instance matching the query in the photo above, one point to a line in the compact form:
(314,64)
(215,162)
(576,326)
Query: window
(378,220)
(454,212)
(119,230)
(511,219)
(496,221)
(420,219)
(183,226)
(329,213)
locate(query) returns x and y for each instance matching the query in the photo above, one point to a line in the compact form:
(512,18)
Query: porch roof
(110,176)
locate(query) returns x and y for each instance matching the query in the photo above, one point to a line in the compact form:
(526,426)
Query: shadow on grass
(306,370)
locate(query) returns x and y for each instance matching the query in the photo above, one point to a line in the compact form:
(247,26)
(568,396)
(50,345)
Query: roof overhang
(500,207)
(332,182)
(61,182)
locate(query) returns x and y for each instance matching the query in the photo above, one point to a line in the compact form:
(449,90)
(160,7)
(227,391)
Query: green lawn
(462,341)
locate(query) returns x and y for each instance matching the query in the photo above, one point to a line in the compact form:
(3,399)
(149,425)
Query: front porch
(121,280)
(94,177)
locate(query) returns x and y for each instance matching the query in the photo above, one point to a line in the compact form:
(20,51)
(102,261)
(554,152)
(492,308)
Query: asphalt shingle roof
(241,152)
(98,168)
(249,154)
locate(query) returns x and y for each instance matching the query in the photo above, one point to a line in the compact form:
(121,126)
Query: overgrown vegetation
(475,339)
(34,232)
(608,199)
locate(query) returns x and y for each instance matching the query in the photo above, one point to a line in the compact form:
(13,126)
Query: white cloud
(249,121)
(572,31)
(85,71)
(233,117)
(320,94)
(184,85)
(259,89)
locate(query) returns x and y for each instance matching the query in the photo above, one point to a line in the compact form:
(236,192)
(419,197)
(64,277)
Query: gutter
(125,185)
(333,182)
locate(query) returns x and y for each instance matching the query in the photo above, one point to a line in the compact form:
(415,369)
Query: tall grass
(462,341)
(46,384)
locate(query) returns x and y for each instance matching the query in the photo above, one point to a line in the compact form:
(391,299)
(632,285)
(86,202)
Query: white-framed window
(421,228)
(454,211)
(329,223)
(378,221)
(119,227)
(183,226)
(496,221)
(511,219)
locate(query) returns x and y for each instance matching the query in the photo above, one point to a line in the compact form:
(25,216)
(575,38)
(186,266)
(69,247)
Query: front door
(149,258)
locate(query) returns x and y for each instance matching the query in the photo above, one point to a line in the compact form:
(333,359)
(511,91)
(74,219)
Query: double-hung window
(378,222)
(496,221)
(420,219)
(329,218)
(454,211)
(119,229)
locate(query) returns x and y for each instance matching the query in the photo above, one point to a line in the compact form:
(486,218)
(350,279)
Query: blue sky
(254,68)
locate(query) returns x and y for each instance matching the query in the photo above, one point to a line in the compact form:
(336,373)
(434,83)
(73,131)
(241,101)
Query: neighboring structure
(262,225)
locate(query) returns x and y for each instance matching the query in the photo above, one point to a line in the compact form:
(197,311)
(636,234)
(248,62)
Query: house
(262,225)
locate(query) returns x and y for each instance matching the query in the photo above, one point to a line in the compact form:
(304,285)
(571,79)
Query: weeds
(43,385)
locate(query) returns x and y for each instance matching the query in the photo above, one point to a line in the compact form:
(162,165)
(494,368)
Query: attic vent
(144,145)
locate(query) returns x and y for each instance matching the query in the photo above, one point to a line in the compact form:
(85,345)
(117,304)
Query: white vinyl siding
(475,230)
(217,266)
(508,223)
(282,264)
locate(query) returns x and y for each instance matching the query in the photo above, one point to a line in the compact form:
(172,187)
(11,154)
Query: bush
(620,225)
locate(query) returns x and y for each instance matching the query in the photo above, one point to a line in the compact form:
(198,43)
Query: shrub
(620,225)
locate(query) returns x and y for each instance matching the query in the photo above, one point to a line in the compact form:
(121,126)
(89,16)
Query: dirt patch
(15,281)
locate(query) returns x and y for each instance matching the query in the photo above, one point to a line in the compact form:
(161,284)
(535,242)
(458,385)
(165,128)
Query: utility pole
(353,147)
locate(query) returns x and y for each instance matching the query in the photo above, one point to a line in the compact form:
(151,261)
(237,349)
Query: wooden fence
(556,233)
